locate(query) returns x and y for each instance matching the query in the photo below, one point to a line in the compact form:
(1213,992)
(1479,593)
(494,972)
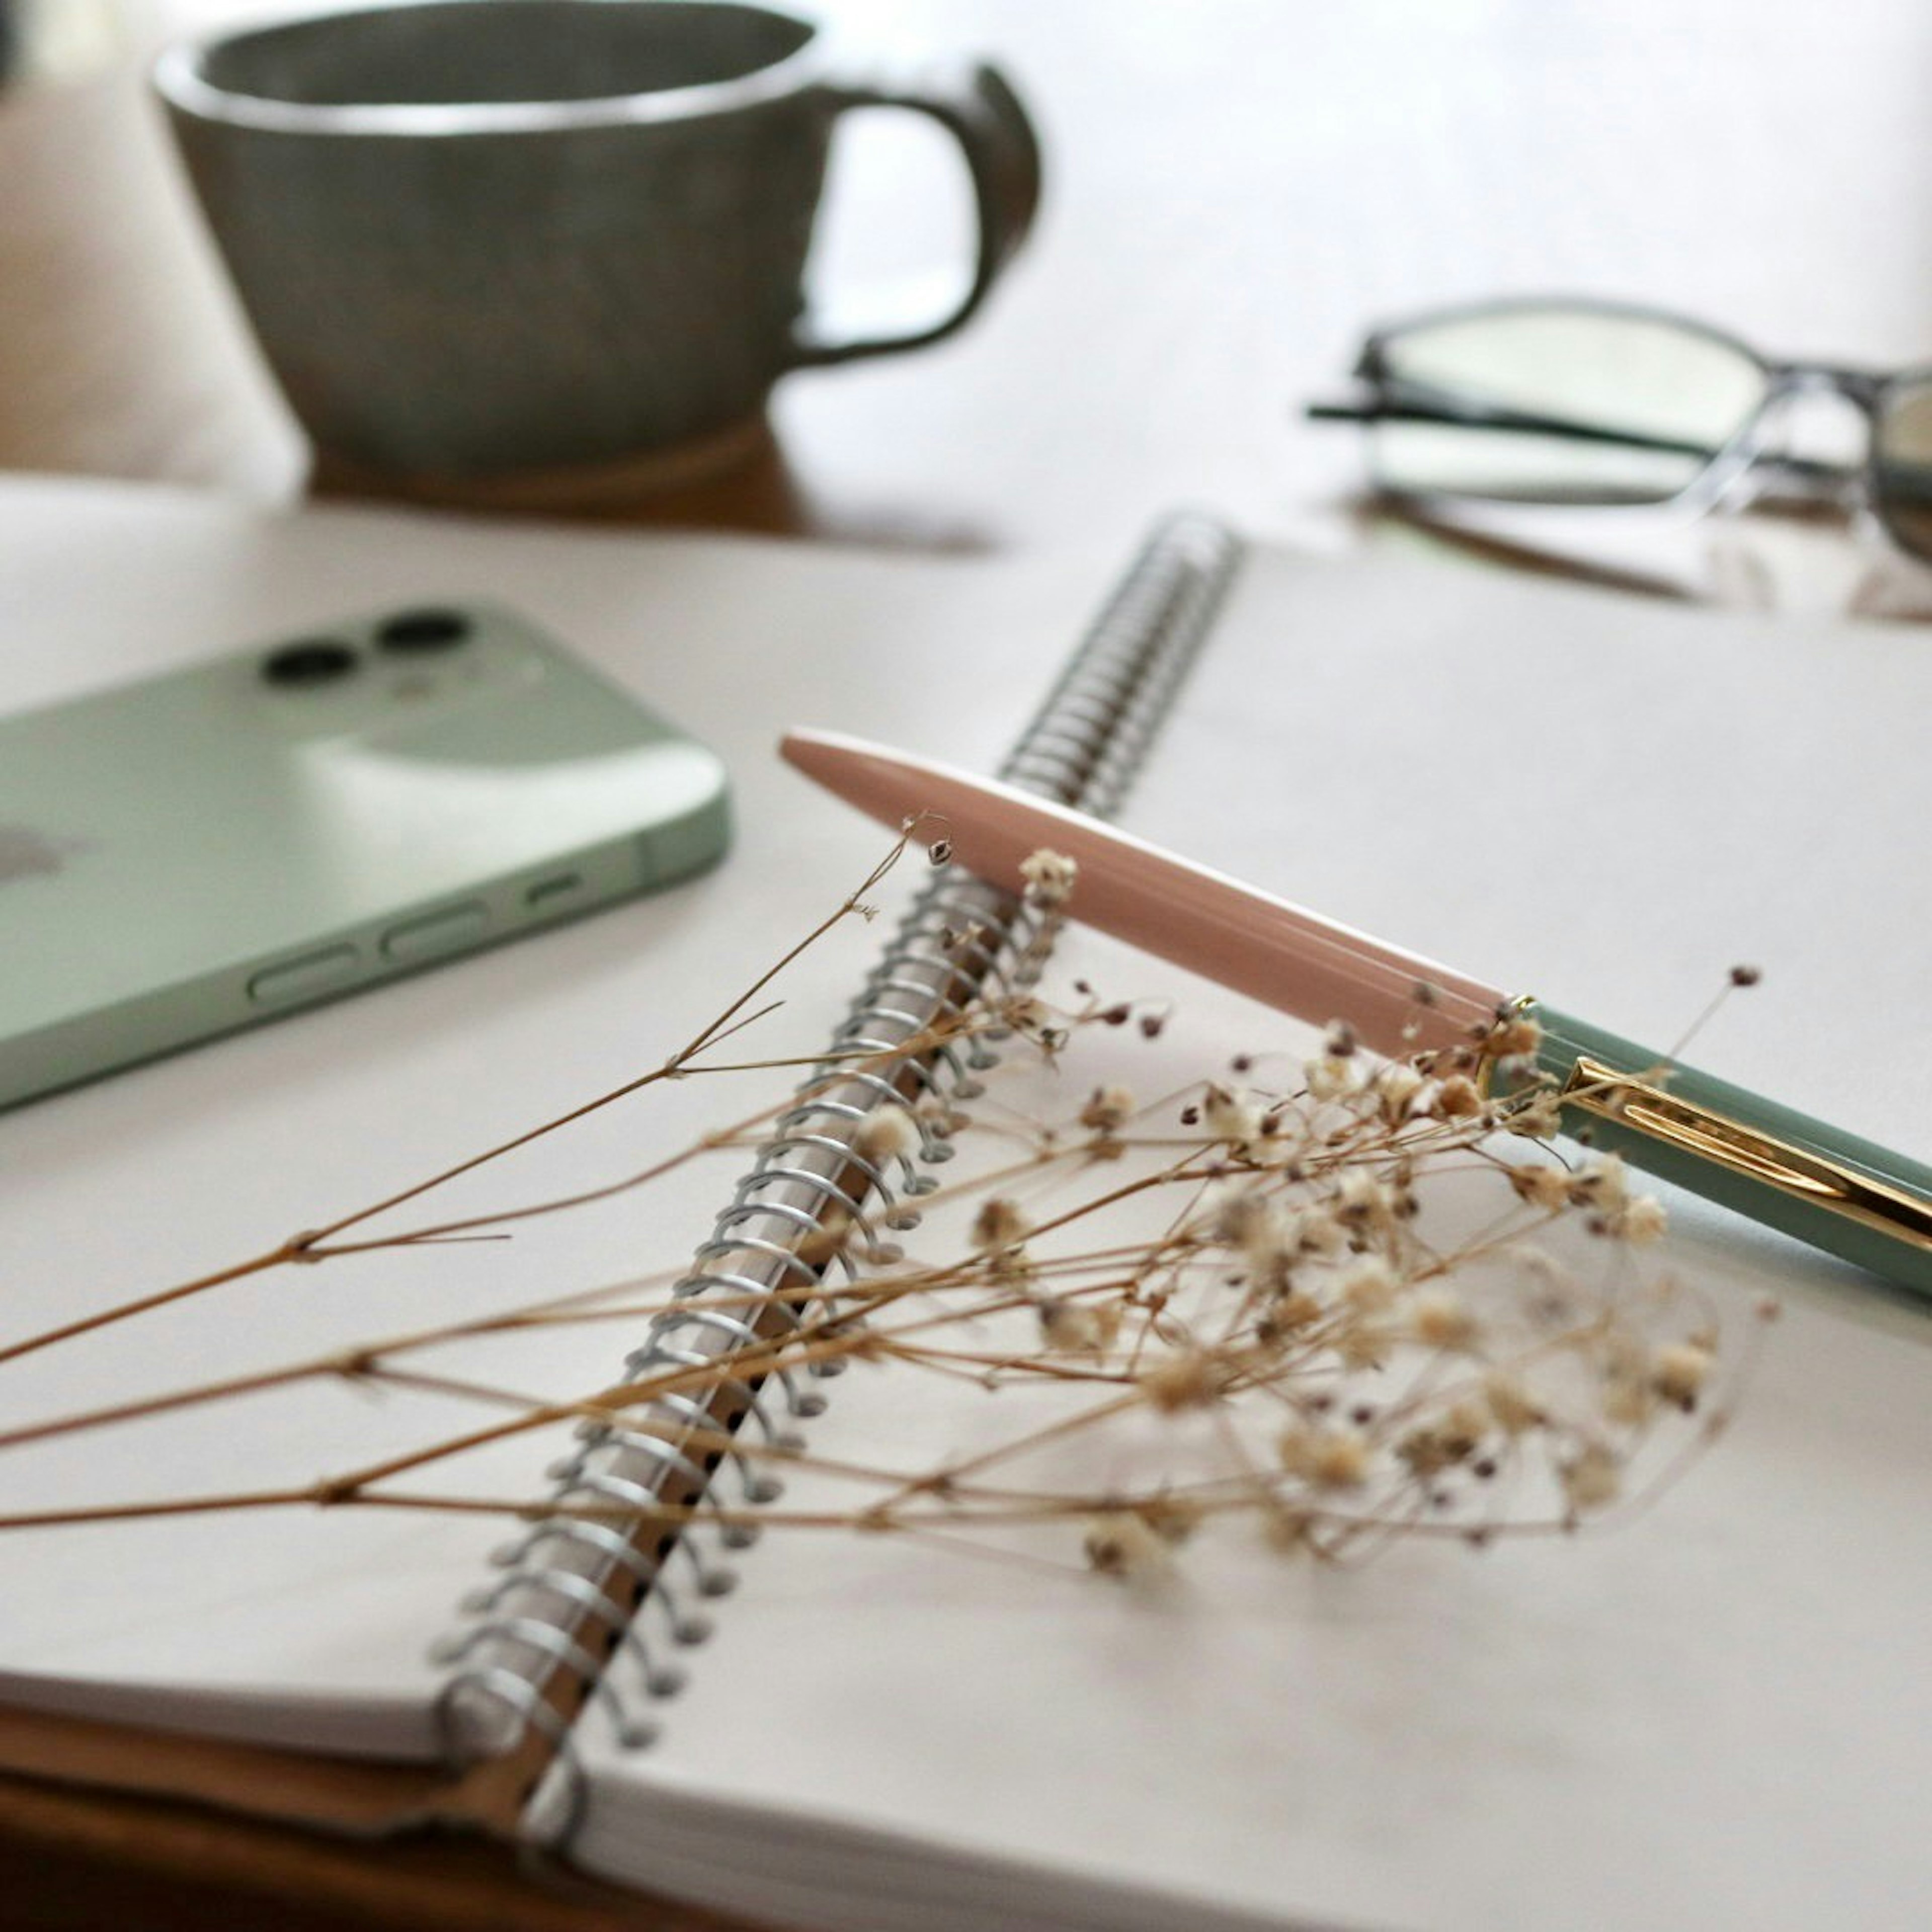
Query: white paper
(1716,1714)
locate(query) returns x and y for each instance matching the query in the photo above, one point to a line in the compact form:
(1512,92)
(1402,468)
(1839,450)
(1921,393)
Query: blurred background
(1237,189)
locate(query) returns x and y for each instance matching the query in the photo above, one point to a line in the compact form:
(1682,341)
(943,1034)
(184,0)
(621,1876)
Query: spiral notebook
(1713,1716)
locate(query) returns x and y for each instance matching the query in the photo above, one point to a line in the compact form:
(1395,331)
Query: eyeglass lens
(1902,462)
(1553,404)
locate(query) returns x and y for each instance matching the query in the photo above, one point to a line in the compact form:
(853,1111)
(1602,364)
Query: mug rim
(179,77)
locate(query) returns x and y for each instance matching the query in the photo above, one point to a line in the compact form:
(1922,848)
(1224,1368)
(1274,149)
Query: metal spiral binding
(577,1577)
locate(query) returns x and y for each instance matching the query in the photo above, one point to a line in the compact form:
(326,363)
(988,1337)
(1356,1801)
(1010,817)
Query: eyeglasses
(1586,403)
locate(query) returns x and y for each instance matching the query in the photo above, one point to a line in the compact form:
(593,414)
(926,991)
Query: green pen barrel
(1771,1163)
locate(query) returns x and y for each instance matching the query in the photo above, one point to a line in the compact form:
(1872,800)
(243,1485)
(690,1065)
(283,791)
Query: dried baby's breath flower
(1458,1098)
(1679,1371)
(1369,1288)
(1049,878)
(1107,1109)
(1329,1077)
(1314,1230)
(1592,1478)
(1329,1458)
(1535,1115)
(1339,1039)
(1238,1215)
(1190,1381)
(1601,1182)
(1438,1317)
(1466,1366)
(1395,1086)
(1364,1200)
(1292,1307)
(888,1133)
(1229,1117)
(1642,1221)
(1079,1327)
(1545,1187)
(1628,1397)
(1511,1406)
(1000,1223)
(1122,1544)
(1514,1036)
(1445,1442)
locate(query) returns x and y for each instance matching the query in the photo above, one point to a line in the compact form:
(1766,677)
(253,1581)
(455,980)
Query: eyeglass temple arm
(1523,422)
(1905,484)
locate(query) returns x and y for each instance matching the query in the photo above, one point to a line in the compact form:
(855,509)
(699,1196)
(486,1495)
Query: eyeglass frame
(1867,390)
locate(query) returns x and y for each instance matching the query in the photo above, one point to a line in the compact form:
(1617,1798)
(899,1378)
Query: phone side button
(308,978)
(446,932)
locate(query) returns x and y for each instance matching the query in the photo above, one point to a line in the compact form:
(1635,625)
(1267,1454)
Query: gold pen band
(1749,1152)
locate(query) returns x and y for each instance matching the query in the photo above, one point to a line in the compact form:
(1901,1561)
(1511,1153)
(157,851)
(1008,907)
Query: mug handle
(978,108)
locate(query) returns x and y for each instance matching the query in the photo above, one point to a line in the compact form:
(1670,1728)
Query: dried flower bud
(1108,1110)
(1000,1223)
(1049,878)
(1514,1036)
(1079,1328)
(1678,1373)
(1601,1182)
(1592,1478)
(1227,1117)
(1395,1087)
(1328,1458)
(1339,1039)
(887,1133)
(1746,975)
(1185,1381)
(1329,1078)
(1362,1200)
(1445,1440)
(1120,1544)
(1642,1221)
(1234,1214)
(1440,1318)
(1510,1405)
(1369,1288)
(1315,1230)
(1545,1187)
(1538,1118)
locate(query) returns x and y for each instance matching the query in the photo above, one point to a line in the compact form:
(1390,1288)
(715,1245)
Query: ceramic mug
(481,238)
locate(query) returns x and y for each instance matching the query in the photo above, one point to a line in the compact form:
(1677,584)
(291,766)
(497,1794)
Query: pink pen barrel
(1290,959)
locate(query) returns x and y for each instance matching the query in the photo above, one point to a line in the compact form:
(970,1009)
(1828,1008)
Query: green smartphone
(212,848)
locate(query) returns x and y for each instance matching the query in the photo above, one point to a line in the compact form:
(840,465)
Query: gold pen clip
(1650,1110)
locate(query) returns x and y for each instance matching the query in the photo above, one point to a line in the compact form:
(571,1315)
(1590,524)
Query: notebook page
(1712,1715)
(307,1628)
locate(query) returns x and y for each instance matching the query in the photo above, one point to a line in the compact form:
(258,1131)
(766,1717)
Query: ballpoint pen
(1854,1199)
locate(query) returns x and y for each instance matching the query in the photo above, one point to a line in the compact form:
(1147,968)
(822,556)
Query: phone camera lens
(415,631)
(315,661)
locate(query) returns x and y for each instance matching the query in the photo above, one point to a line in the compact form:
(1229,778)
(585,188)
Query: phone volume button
(307,978)
(449,930)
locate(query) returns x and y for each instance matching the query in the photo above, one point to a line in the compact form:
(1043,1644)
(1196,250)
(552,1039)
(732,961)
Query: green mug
(489,239)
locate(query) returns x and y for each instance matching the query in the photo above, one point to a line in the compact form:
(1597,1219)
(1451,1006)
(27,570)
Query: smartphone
(219,845)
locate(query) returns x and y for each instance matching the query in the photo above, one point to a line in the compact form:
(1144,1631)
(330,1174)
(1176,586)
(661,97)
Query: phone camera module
(304,666)
(411,632)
